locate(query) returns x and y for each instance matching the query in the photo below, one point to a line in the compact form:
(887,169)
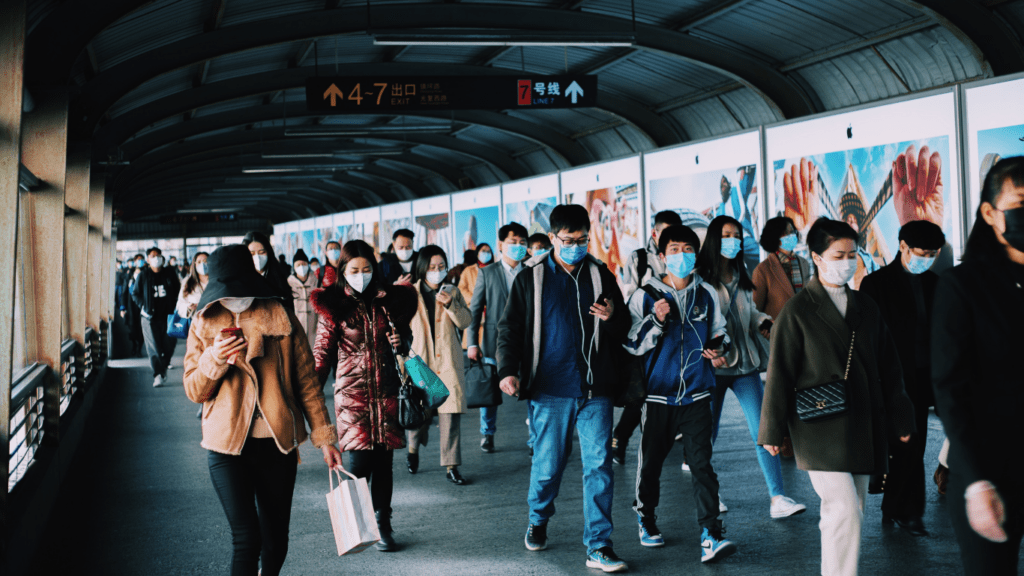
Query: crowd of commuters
(563,337)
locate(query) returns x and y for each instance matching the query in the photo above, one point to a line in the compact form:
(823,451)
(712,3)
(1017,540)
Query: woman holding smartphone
(355,339)
(249,363)
(441,316)
(831,335)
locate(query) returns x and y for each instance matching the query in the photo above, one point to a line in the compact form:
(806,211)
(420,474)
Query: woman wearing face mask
(720,264)
(441,316)
(467,282)
(976,340)
(302,282)
(249,364)
(355,339)
(826,334)
(193,286)
(267,264)
(783,273)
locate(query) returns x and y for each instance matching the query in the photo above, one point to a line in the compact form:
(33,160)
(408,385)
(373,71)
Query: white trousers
(842,513)
(944,453)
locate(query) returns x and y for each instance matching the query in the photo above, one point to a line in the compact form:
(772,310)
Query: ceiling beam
(996,42)
(890,33)
(107,88)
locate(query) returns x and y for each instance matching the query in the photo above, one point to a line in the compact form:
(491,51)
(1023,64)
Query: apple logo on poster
(849,131)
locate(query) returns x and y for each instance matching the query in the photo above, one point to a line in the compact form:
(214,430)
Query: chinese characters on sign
(358,95)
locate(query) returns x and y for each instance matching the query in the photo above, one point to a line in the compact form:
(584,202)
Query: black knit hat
(233,275)
(300,255)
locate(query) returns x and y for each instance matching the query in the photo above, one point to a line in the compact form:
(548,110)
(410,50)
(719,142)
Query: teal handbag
(177,326)
(424,378)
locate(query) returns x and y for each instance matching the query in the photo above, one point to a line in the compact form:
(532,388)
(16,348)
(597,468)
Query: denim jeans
(529,425)
(488,420)
(750,392)
(553,420)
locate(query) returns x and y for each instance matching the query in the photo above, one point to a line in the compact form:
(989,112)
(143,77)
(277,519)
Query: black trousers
(255,489)
(659,425)
(905,483)
(628,422)
(376,466)
(981,557)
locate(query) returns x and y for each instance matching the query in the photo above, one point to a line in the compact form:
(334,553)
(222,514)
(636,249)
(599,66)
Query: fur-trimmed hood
(336,303)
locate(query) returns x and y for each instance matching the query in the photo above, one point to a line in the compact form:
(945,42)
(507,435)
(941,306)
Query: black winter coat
(890,288)
(519,333)
(977,340)
(156,293)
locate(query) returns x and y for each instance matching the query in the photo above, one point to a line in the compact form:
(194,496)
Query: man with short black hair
(155,293)
(491,292)
(905,291)
(559,346)
(399,267)
(538,244)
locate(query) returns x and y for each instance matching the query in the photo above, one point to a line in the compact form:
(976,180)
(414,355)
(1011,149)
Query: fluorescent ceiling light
(367,130)
(298,155)
(335,154)
(442,37)
(300,168)
(264,170)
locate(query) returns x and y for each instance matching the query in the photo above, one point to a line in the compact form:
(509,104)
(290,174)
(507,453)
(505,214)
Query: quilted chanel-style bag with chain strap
(825,400)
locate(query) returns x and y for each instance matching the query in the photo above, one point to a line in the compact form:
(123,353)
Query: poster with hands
(902,171)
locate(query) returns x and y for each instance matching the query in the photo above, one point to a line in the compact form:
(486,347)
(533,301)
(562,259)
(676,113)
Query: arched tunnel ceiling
(187,93)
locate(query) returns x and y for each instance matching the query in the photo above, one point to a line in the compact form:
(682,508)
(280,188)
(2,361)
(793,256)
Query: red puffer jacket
(352,338)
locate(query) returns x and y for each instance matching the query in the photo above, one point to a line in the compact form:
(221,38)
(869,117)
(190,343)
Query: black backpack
(635,391)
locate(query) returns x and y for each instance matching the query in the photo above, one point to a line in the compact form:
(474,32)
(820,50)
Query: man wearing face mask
(491,292)
(678,334)
(905,291)
(558,344)
(400,267)
(156,293)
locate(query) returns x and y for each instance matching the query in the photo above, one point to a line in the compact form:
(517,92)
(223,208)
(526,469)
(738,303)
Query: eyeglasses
(569,242)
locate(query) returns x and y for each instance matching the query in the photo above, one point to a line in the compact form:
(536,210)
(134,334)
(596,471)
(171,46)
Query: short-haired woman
(441,316)
(720,264)
(784,273)
(829,333)
(302,282)
(249,364)
(354,338)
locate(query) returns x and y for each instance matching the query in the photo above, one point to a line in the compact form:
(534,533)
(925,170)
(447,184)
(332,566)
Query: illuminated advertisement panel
(874,168)
(995,129)
(394,217)
(432,224)
(477,218)
(325,232)
(530,202)
(366,227)
(307,235)
(611,194)
(290,238)
(343,224)
(704,180)
(277,240)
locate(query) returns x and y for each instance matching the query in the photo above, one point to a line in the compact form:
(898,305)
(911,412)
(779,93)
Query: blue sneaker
(713,546)
(650,536)
(606,560)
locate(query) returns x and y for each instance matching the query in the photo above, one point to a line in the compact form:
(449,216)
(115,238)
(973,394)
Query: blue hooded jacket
(675,371)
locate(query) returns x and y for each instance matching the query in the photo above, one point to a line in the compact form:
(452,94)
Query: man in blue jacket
(678,334)
(560,346)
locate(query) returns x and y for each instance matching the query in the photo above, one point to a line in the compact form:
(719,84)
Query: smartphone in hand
(715,343)
(229,332)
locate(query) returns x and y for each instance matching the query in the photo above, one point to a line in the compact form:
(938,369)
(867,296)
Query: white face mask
(837,272)
(404,255)
(236,305)
(156,261)
(359,282)
(301,270)
(315,267)
(260,261)
(201,268)
(436,276)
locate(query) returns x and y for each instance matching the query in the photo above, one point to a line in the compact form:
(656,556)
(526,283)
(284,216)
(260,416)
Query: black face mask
(1014,233)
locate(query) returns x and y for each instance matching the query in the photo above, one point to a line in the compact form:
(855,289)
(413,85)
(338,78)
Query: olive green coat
(809,346)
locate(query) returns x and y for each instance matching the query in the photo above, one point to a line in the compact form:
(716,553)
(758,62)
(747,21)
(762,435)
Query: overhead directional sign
(361,95)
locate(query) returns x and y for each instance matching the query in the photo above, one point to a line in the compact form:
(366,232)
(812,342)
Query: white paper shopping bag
(355,528)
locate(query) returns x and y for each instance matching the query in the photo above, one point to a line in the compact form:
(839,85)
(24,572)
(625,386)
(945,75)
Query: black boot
(412,462)
(387,541)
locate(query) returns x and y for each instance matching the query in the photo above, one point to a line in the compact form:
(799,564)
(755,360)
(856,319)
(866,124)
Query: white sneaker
(158,381)
(721,506)
(785,506)
(686,467)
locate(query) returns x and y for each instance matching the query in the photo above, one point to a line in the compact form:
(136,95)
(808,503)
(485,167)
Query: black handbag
(481,383)
(412,405)
(824,400)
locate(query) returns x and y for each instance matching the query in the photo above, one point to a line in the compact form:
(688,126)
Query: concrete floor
(139,501)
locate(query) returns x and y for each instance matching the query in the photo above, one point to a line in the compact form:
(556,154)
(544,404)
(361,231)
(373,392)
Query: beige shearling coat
(276,376)
(443,352)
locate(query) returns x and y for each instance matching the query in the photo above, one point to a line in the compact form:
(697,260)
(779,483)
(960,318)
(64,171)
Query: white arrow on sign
(574,91)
